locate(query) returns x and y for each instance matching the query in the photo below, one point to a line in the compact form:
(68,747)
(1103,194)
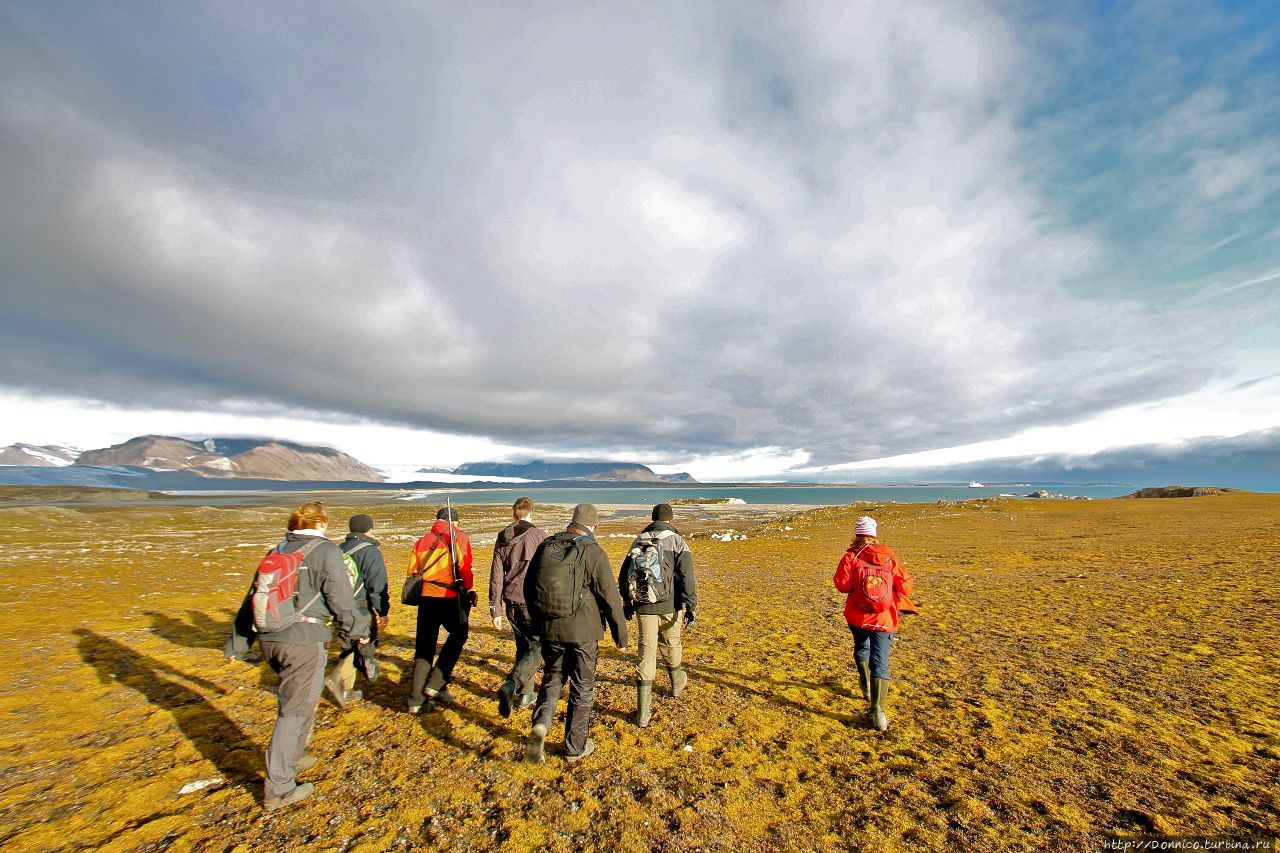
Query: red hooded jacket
(903,585)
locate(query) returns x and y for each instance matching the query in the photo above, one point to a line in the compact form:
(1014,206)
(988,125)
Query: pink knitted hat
(865,526)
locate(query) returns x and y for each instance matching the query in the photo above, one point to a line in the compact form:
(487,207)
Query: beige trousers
(659,636)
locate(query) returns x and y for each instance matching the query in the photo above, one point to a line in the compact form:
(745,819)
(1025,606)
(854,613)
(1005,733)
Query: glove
(628,612)
(690,618)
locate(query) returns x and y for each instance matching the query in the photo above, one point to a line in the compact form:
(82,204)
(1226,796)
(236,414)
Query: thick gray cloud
(1249,461)
(664,227)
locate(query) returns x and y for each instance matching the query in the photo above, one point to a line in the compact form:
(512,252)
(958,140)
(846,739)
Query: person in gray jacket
(297,651)
(659,588)
(515,547)
(571,642)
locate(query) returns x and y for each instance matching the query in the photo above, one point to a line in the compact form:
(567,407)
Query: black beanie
(446,512)
(662,512)
(360,523)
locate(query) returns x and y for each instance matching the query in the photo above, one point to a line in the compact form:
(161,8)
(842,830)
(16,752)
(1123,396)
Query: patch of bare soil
(1079,668)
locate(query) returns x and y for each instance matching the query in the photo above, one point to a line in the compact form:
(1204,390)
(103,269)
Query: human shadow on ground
(197,630)
(217,738)
(717,677)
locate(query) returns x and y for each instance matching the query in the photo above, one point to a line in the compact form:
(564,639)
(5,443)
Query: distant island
(600,472)
(1183,492)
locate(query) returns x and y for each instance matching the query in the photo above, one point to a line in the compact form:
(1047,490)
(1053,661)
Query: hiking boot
(443,696)
(864,678)
(679,678)
(528,700)
(879,692)
(297,795)
(506,693)
(414,709)
(535,748)
(644,700)
(587,748)
(354,696)
(336,691)
(305,763)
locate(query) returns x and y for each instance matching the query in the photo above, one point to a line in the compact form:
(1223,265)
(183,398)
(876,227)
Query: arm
(606,592)
(624,587)
(375,581)
(496,575)
(242,631)
(468,577)
(686,580)
(335,588)
(903,582)
(843,578)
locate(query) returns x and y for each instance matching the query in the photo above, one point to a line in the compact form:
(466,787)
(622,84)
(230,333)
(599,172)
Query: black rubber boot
(644,702)
(679,678)
(864,678)
(879,692)
(506,695)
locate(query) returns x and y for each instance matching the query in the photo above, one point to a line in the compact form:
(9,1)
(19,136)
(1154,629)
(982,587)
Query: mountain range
(264,459)
(609,472)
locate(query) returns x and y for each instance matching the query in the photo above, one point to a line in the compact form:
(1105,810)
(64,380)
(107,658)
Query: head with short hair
(447,513)
(663,512)
(360,523)
(585,515)
(309,516)
(522,508)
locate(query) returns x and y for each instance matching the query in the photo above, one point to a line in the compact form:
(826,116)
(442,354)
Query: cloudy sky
(741,239)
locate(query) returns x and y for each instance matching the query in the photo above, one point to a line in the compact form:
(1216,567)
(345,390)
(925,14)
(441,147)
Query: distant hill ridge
(38,455)
(613,472)
(1182,492)
(232,457)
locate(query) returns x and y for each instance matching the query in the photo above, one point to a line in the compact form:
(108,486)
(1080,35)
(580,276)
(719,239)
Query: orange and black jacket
(431,557)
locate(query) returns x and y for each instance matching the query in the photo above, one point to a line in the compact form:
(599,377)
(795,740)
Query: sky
(784,240)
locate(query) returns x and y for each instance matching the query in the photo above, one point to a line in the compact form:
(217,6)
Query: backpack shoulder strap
(359,547)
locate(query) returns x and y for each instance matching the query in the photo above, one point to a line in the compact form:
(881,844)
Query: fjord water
(766,494)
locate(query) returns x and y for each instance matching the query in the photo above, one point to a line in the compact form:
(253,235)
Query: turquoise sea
(765,494)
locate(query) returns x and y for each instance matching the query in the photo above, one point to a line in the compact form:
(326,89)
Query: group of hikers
(557,593)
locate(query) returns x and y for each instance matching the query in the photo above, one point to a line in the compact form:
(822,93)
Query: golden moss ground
(1080,668)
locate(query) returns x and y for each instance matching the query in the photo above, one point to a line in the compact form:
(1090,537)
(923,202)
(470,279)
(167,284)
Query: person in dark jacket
(297,651)
(570,644)
(659,623)
(370,584)
(511,555)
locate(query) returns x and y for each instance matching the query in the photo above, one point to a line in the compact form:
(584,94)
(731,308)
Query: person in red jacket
(443,558)
(878,586)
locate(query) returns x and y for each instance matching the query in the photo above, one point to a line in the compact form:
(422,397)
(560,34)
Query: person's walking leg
(646,665)
(861,659)
(879,658)
(424,652)
(671,649)
(582,692)
(548,697)
(458,628)
(302,670)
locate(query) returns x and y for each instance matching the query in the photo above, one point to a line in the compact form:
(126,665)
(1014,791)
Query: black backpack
(560,575)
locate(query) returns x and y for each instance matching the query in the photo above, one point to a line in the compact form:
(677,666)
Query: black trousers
(528,649)
(430,672)
(576,662)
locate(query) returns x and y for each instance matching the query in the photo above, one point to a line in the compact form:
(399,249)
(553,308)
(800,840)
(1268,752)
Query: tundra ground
(1079,668)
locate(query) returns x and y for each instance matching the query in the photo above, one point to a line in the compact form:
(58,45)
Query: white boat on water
(976,485)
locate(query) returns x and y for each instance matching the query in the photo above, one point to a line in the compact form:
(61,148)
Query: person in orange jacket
(443,558)
(878,586)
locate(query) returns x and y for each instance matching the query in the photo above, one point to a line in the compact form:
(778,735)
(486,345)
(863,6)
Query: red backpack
(275,589)
(872,584)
